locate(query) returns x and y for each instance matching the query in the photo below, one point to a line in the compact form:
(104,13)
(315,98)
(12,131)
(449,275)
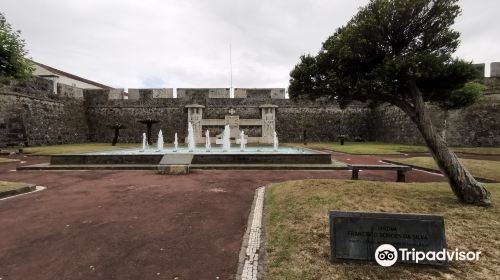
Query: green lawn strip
(481,168)
(297,236)
(13,188)
(493,151)
(76,148)
(379,148)
(7,160)
(374,148)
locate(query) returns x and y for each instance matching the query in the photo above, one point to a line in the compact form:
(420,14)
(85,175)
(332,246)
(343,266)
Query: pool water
(202,150)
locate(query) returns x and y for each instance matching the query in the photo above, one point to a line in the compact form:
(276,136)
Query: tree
(13,61)
(116,127)
(398,52)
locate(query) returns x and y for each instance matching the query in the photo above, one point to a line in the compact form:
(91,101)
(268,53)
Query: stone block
(240,93)
(219,93)
(278,93)
(150,93)
(260,93)
(176,159)
(189,93)
(163,93)
(133,94)
(69,91)
(173,169)
(357,235)
(495,69)
(116,93)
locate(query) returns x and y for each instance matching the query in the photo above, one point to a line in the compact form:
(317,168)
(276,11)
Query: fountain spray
(226,139)
(191,142)
(208,145)
(144,142)
(242,141)
(275,141)
(176,143)
(159,145)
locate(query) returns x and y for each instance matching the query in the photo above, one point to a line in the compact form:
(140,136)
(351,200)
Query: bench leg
(355,174)
(401,176)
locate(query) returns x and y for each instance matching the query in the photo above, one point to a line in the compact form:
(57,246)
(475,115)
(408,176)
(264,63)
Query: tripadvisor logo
(387,255)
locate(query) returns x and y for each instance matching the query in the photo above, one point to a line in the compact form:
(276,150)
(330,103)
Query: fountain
(275,141)
(191,142)
(242,141)
(144,142)
(226,139)
(208,145)
(210,156)
(176,143)
(159,145)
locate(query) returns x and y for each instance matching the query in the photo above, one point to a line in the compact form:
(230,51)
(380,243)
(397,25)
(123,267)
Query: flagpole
(231,67)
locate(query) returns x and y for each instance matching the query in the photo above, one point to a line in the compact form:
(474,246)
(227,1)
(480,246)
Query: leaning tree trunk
(463,184)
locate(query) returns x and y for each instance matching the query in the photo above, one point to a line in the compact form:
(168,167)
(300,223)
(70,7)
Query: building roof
(74,77)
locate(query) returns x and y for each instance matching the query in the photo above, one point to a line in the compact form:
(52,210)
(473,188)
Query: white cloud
(171,43)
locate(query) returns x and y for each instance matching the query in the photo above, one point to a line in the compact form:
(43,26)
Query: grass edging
(480,179)
(17,191)
(7,160)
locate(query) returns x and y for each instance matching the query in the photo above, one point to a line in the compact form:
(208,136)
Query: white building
(61,77)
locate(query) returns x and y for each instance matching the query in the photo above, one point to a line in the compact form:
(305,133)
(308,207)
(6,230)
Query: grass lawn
(378,148)
(11,188)
(7,160)
(296,226)
(481,168)
(76,148)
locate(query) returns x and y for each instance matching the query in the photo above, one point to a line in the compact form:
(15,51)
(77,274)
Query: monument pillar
(195,116)
(268,112)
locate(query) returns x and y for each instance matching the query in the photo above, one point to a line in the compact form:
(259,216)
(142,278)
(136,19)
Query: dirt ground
(137,224)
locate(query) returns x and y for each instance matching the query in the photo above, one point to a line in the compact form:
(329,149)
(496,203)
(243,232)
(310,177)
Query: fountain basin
(252,155)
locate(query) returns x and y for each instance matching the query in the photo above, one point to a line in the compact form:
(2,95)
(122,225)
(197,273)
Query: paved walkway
(136,224)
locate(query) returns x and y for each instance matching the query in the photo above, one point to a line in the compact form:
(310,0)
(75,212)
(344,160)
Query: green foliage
(383,50)
(13,60)
(469,94)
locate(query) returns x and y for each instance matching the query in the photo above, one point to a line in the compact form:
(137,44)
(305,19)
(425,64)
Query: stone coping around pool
(312,157)
(46,166)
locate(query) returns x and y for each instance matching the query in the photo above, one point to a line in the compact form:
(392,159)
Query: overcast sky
(185,43)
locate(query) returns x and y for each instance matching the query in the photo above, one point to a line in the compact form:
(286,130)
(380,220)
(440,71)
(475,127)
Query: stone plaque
(176,159)
(233,120)
(357,235)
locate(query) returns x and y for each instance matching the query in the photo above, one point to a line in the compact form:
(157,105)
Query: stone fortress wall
(31,115)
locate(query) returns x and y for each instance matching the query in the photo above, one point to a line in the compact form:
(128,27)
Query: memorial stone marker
(357,235)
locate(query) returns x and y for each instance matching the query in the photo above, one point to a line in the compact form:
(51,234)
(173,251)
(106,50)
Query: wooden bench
(400,169)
